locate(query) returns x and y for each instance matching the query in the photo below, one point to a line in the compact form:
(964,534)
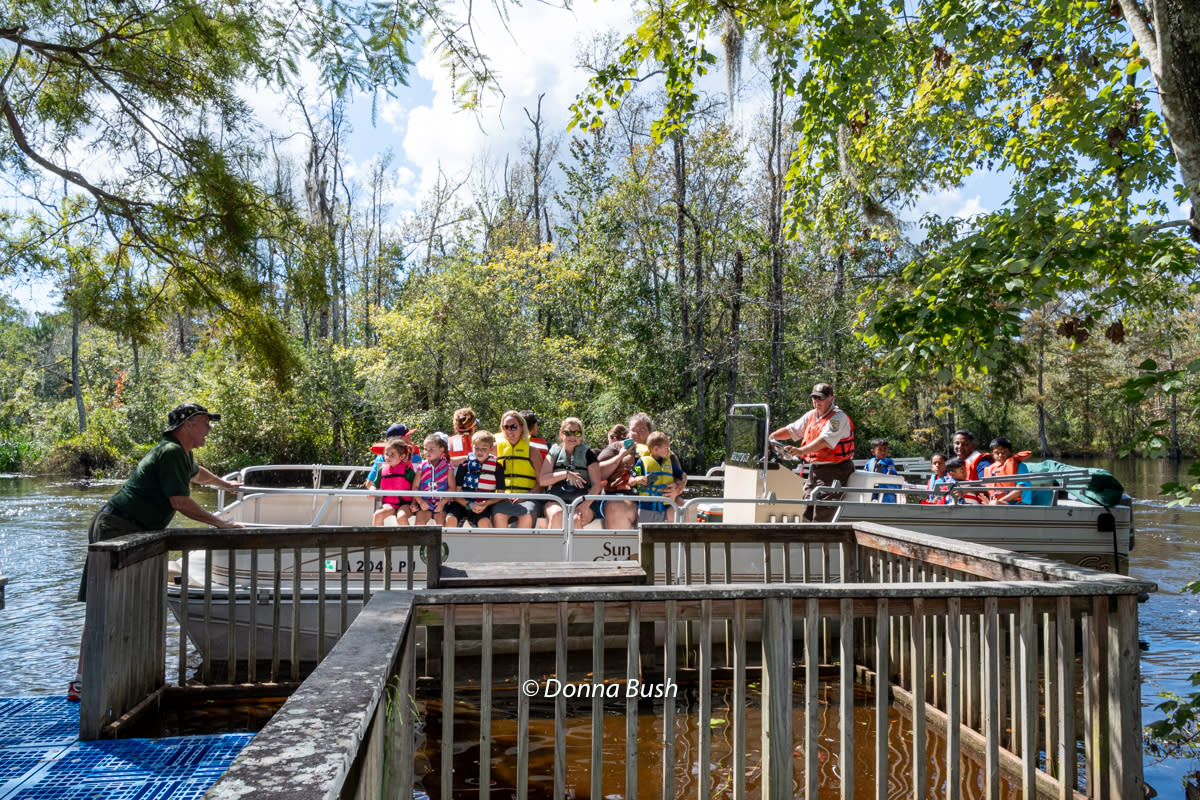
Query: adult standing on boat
(522,461)
(826,437)
(159,486)
(964,448)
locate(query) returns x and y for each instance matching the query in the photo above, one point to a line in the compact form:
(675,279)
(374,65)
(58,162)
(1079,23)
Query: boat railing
(125,644)
(1052,484)
(1011,675)
(331,496)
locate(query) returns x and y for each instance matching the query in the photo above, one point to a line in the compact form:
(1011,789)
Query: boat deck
(41,757)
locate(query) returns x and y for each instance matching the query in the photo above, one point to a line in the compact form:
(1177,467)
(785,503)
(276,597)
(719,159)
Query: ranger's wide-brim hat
(181,414)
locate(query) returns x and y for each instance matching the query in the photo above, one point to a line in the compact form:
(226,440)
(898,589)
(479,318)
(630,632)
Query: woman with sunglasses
(522,462)
(569,472)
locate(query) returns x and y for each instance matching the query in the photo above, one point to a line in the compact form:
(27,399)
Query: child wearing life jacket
(397,431)
(937,480)
(459,444)
(882,463)
(397,474)
(436,475)
(1006,462)
(957,472)
(482,472)
(658,474)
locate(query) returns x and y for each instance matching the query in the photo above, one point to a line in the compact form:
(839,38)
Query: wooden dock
(986,647)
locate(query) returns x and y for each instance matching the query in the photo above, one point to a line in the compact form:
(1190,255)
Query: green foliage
(1177,734)
(17,454)
(105,448)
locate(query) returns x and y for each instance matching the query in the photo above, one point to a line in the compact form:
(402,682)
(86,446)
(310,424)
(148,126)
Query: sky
(535,53)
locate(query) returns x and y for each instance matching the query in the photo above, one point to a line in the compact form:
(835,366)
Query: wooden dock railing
(126,633)
(983,652)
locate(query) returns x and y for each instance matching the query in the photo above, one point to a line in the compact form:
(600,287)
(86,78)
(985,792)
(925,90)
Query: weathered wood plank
(882,699)
(670,654)
(954,719)
(846,691)
(1065,701)
(485,708)
(560,702)
(448,740)
(338,703)
(523,707)
(459,575)
(990,700)
(916,647)
(738,630)
(1028,697)
(777,700)
(1124,687)
(597,744)
(632,673)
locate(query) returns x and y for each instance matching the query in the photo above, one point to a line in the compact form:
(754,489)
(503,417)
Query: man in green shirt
(160,486)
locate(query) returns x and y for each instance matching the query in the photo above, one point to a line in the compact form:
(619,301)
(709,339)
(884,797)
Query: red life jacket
(397,478)
(841,451)
(459,445)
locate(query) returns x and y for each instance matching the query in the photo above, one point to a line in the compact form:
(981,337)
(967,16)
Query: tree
(138,106)
(1057,95)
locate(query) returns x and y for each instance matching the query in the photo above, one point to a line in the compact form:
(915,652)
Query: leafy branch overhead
(1090,110)
(141,106)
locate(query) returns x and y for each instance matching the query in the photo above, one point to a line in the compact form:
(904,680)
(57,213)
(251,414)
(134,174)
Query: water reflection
(686,766)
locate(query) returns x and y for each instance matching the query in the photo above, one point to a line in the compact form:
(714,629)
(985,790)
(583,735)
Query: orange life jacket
(1009,467)
(972,462)
(841,451)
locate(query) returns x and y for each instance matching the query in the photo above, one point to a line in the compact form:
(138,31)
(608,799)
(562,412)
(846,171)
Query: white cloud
(950,203)
(535,55)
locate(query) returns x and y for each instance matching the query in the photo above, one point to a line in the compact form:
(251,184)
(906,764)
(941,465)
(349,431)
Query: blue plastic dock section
(42,759)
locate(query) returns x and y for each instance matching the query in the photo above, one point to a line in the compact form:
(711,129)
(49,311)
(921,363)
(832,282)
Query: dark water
(43,540)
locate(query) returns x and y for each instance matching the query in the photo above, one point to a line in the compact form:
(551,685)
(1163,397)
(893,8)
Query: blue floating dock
(42,759)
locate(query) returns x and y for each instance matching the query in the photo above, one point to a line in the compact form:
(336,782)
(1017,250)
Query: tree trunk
(775,174)
(1174,453)
(82,412)
(839,294)
(536,122)
(698,338)
(735,329)
(680,174)
(1041,390)
(1168,33)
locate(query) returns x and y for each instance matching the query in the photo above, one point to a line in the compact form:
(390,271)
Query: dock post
(777,698)
(1125,777)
